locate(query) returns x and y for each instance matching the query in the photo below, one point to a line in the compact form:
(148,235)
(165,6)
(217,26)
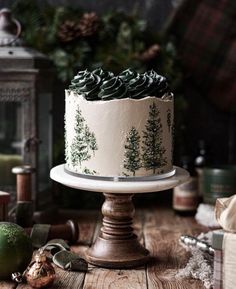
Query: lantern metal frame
(26,75)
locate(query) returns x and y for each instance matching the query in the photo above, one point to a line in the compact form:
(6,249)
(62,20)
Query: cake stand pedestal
(117,246)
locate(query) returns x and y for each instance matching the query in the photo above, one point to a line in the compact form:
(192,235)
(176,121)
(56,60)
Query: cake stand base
(117,246)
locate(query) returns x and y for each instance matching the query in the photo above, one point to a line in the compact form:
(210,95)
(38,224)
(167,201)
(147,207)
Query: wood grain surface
(158,229)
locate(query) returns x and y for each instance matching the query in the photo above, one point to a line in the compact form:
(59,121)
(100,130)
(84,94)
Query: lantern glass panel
(11,133)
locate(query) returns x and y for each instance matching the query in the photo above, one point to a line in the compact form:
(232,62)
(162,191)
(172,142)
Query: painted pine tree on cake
(153,157)
(173,141)
(66,141)
(132,161)
(83,141)
(90,139)
(168,119)
(93,143)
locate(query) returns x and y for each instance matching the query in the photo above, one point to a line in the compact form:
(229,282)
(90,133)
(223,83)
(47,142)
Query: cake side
(119,137)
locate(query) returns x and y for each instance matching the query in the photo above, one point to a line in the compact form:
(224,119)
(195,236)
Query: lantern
(26,78)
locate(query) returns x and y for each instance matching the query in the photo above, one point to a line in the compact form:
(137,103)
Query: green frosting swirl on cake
(77,78)
(114,88)
(141,86)
(101,84)
(127,75)
(103,74)
(160,84)
(88,84)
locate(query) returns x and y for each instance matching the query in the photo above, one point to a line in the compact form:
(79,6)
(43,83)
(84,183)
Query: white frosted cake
(118,126)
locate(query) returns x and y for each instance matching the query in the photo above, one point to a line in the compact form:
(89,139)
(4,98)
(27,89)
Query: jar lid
(4,197)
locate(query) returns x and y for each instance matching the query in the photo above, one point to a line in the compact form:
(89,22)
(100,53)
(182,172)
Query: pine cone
(149,53)
(68,31)
(89,24)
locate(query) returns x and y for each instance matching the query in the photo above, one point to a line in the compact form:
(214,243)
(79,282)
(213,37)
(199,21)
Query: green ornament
(15,249)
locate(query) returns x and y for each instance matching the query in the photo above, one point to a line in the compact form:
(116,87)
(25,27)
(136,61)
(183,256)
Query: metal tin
(185,196)
(218,182)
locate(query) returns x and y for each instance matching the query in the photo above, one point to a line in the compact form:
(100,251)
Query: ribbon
(63,257)
(225,212)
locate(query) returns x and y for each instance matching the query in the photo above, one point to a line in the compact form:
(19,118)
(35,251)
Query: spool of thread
(68,231)
(4,201)
(24,204)
(23,182)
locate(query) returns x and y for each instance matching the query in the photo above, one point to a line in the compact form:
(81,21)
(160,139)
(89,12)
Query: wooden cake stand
(117,246)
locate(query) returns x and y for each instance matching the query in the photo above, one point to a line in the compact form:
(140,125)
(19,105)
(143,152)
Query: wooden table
(158,230)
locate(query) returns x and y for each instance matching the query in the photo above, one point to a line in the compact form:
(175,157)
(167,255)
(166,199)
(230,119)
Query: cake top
(101,84)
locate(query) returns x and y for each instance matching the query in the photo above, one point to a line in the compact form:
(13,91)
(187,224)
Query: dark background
(203,119)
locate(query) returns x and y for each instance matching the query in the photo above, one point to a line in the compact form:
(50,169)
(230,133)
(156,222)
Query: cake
(118,125)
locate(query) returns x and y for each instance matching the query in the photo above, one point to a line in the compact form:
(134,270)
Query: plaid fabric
(205,31)
(218,269)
